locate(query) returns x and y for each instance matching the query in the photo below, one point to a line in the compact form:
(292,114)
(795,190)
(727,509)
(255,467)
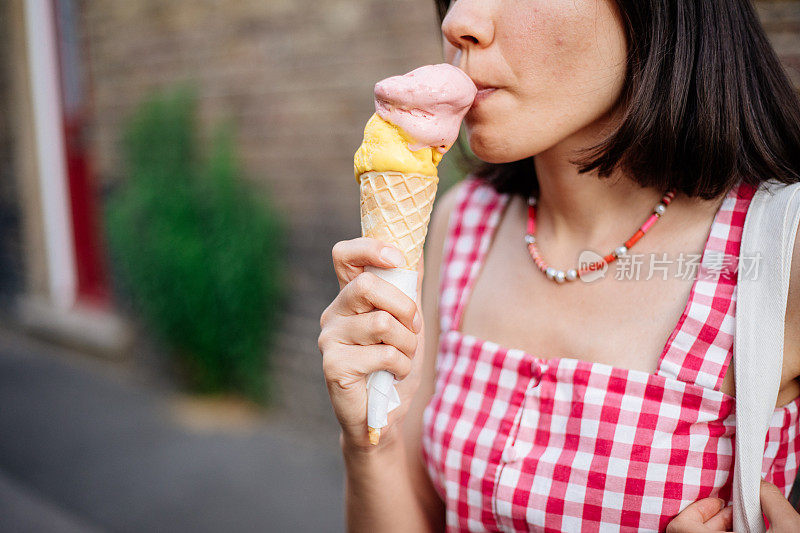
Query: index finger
(350,257)
(368,292)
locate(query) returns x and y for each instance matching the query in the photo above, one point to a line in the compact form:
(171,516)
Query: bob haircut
(705,102)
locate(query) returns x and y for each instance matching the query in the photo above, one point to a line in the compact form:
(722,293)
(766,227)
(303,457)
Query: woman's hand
(782,517)
(703,516)
(709,515)
(371,325)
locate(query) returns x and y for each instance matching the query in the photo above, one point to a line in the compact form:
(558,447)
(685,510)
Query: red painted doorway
(92,278)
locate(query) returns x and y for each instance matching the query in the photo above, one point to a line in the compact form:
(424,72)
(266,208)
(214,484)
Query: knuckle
(364,283)
(409,309)
(388,355)
(394,361)
(331,367)
(408,345)
(382,322)
(322,341)
(338,250)
(324,317)
(371,244)
(331,314)
(403,369)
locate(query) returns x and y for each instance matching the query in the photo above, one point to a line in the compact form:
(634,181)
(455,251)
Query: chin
(490,156)
(486,147)
(495,149)
(497,143)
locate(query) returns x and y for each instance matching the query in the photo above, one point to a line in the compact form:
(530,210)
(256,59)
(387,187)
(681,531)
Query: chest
(548,409)
(625,319)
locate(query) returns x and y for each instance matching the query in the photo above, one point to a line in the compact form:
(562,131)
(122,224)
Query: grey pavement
(85,448)
(25,512)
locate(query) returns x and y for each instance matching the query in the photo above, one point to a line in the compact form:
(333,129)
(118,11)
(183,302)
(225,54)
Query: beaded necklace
(560,276)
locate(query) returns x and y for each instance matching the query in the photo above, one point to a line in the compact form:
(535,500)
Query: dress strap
(469,233)
(700,347)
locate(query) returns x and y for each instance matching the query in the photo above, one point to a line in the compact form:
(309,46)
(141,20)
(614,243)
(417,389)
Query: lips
(484,90)
(484,93)
(482,85)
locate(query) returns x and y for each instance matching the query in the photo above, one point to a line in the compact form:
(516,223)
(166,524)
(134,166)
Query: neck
(584,210)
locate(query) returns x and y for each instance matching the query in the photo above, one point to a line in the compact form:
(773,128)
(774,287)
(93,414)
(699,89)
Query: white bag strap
(768,239)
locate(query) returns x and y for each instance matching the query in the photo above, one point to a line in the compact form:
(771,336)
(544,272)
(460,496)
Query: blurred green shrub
(199,254)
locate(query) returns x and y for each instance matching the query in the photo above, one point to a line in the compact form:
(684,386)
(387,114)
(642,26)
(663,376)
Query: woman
(534,398)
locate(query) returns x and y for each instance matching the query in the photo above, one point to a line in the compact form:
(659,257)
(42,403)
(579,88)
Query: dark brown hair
(705,102)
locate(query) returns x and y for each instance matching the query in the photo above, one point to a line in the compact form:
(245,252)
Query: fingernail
(417,322)
(392,256)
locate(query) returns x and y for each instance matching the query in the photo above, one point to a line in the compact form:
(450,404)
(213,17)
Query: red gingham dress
(516,442)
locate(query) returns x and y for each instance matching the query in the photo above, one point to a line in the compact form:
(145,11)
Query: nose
(469,24)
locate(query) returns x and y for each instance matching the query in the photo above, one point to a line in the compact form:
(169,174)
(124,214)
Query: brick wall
(296,77)
(782,22)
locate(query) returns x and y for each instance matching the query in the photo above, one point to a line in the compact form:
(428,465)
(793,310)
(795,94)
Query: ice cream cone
(416,121)
(396,209)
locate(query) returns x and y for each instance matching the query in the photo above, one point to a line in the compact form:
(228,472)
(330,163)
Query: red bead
(636,236)
(531,220)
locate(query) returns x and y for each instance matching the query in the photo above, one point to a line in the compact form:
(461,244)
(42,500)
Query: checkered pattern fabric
(513,442)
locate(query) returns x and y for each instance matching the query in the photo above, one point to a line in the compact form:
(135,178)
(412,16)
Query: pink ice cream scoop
(428,104)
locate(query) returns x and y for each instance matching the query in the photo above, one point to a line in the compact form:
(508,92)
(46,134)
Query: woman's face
(546,70)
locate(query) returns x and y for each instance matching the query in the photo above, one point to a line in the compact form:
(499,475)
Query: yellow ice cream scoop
(385,148)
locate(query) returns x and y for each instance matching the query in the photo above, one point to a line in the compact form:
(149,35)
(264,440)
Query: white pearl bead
(550,272)
(621,250)
(660,208)
(530,239)
(560,276)
(531,200)
(571,274)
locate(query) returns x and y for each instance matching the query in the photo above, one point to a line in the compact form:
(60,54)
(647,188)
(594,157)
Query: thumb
(703,510)
(777,509)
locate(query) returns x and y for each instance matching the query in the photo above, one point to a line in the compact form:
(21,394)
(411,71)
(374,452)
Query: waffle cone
(396,209)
